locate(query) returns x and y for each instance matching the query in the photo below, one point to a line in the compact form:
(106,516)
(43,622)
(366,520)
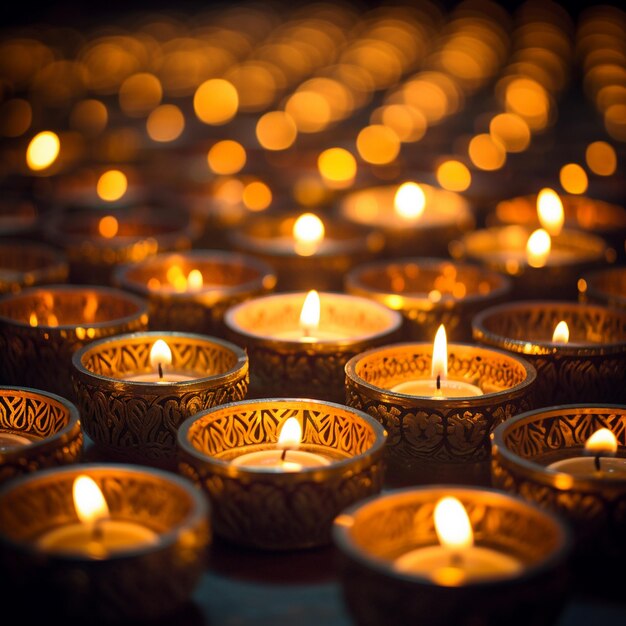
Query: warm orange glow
(139,94)
(89,500)
(257,196)
(561,332)
(602,441)
(108,227)
(601,158)
(454,176)
(409,201)
(538,248)
(112,185)
(615,121)
(573,178)
(452,524)
(165,123)
(309,110)
(43,150)
(276,130)
(160,354)
(16,116)
(378,144)
(89,117)
(439,366)
(337,167)
(406,121)
(290,434)
(194,280)
(216,101)
(308,232)
(486,152)
(90,308)
(528,99)
(550,211)
(310,314)
(226,157)
(511,130)
(33,321)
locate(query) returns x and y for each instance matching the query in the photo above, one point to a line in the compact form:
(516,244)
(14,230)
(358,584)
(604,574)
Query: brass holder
(269,238)
(143,231)
(438,439)
(138,421)
(447,215)
(281,510)
(229,278)
(590,368)
(25,263)
(134,584)
(50,423)
(429,292)
(606,287)
(41,327)
(503,249)
(593,507)
(371,534)
(312,369)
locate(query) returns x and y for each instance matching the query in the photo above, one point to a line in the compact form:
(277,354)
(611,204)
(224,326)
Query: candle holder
(503,249)
(227,279)
(132,584)
(606,287)
(592,506)
(269,238)
(589,368)
(25,263)
(430,292)
(41,327)
(95,248)
(138,420)
(371,534)
(281,510)
(446,216)
(309,368)
(37,430)
(438,439)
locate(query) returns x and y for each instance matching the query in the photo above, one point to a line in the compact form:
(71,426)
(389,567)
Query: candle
(10,441)
(456,560)
(161,360)
(438,385)
(95,535)
(286,457)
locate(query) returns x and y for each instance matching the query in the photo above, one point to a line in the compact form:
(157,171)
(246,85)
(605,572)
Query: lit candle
(177,282)
(456,560)
(96,535)
(598,461)
(160,361)
(438,385)
(277,459)
(561,333)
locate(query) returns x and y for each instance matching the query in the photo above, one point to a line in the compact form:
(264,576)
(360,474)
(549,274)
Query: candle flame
(108,227)
(561,332)
(439,365)
(88,500)
(452,524)
(290,434)
(194,279)
(409,201)
(33,321)
(160,354)
(308,232)
(52,320)
(550,211)
(43,150)
(310,314)
(602,441)
(91,306)
(538,248)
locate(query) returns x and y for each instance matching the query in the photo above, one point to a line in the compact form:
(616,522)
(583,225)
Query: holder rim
(594,291)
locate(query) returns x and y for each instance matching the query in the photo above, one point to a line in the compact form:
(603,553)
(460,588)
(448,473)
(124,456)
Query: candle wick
(456,559)
(284,454)
(97,533)
(438,382)
(596,462)
(160,370)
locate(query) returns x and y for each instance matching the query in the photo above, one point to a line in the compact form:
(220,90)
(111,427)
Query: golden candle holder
(130,412)
(145,579)
(266,507)
(606,287)
(37,430)
(555,275)
(176,303)
(591,503)
(590,367)
(41,327)
(438,439)
(429,292)
(282,356)
(25,263)
(306,265)
(373,534)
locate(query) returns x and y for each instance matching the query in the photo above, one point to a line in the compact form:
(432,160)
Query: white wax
(445,567)
(80,539)
(286,245)
(319,334)
(168,377)
(427,387)
(295,460)
(610,467)
(10,441)
(556,256)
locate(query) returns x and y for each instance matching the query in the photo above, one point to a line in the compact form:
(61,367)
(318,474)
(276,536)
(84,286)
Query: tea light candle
(456,561)
(160,360)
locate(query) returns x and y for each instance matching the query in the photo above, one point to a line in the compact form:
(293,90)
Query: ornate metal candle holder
(503,249)
(138,420)
(595,507)
(438,439)
(606,287)
(27,263)
(373,533)
(37,430)
(589,368)
(281,510)
(269,238)
(133,584)
(447,215)
(227,279)
(41,327)
(307,368)
(430,292)
(131,234)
